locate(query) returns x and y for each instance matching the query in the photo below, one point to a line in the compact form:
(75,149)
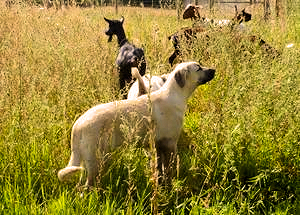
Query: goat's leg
(175,54)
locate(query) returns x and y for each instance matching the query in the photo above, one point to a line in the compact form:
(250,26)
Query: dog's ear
(180,77)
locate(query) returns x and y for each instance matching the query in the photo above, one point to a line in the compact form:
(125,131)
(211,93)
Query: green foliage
(239,149)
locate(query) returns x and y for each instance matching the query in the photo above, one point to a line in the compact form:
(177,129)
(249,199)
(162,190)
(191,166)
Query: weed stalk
(153,157)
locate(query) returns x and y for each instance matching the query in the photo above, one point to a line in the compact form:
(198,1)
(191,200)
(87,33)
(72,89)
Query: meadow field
(239,150)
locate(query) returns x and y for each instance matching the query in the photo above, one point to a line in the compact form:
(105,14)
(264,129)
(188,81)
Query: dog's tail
(68,172)
(142,87)
(74,163)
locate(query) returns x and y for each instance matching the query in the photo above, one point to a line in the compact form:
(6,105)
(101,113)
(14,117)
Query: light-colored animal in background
(142,85)
(99,130)
(191,11)
(202,25)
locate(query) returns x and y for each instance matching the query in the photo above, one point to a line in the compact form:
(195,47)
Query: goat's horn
(122,19)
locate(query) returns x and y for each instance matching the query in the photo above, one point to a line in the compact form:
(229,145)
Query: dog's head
(190,75)
(115,27)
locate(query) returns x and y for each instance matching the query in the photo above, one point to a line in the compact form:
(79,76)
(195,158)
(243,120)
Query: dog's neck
(174,91)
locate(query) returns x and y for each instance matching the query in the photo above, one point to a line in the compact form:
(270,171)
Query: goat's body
(185,34)
(129,56)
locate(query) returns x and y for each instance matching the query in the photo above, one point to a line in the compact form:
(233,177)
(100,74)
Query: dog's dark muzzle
(209,74)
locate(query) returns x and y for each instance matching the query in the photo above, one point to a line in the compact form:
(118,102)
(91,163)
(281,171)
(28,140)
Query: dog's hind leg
(92,172)
(172,58)
(74,163)
(89,156)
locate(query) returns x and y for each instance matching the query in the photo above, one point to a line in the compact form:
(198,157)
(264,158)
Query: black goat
(129,56)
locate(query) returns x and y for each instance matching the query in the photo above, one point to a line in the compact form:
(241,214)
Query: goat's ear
(122,19)
(180,78)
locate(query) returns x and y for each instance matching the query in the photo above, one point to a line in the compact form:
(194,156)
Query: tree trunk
(266,9)
(211,4)
(279,8)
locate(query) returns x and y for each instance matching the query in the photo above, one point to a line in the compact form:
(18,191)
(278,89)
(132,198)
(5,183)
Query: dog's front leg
(166,153)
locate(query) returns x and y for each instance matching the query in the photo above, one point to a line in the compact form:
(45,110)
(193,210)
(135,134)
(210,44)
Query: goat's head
(191,12)
(241,16)
(115,27)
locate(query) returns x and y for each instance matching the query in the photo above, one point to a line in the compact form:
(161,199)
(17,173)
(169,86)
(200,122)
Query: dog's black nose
(210,73)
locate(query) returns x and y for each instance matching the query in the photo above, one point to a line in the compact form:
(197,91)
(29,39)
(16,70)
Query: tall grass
(239,148)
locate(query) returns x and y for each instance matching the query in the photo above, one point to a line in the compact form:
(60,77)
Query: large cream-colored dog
(99,130)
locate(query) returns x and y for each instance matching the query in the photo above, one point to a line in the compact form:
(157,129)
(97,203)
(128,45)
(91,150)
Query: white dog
(99,130)
(143,84)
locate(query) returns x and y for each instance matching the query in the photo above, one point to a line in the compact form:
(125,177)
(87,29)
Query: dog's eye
(199,68)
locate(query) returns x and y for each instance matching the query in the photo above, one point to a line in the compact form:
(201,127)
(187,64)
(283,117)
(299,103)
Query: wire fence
(145,3)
